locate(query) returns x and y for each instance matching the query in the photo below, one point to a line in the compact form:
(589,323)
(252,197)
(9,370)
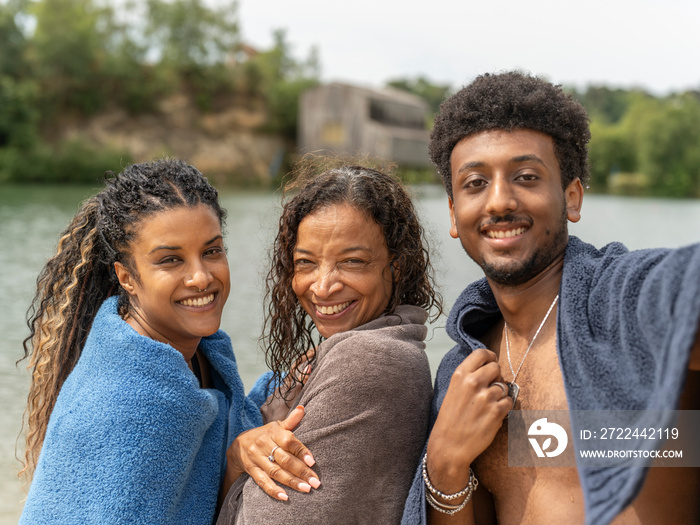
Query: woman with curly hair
(349,291)
(135,395)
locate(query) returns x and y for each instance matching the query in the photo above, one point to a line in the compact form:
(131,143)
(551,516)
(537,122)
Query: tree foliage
(188,35)
(13,44)
(655,137)
(432,93)
(78,57)
(667,140)
(606,104)
(69,53)
(18,116)
(281,79)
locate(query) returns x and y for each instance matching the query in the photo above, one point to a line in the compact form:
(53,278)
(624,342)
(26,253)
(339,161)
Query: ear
(453,228)
(125,279)
(574,200)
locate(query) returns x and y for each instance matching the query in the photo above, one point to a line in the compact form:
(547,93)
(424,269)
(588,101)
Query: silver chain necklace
(513,388)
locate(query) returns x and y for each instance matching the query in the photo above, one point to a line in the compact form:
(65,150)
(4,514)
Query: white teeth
(200,301)
(327,310)
(504,235)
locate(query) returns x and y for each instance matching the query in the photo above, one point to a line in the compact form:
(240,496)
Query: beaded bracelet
(444,507)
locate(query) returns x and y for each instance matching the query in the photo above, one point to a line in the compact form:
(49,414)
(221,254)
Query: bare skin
(507,211)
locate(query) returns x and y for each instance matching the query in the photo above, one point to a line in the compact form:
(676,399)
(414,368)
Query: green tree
(606,104)
(195,42)
(18,116)
(282,79)
(69,46)
(667,135)
(611,150)
(432,93)
(13,43)
(128,78)
(189,35)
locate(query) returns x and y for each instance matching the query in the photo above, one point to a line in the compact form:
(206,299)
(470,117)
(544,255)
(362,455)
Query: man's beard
(520,273)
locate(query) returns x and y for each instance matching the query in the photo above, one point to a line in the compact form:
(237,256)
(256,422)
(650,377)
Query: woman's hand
(251,450)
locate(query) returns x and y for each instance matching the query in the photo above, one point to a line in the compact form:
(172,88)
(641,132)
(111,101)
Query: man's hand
(470,416)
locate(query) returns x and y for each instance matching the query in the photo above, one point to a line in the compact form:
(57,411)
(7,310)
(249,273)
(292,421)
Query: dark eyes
(528,176)
(346,263)
(214,251)
(174,259)
(475,183)
(478,182)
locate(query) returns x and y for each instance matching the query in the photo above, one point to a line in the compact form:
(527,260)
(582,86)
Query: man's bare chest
(541,388)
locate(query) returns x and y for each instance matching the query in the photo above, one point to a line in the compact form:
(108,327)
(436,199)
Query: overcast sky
(618,43)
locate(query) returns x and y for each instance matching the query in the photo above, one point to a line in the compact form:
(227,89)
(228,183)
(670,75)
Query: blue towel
(625,326)
(133,438)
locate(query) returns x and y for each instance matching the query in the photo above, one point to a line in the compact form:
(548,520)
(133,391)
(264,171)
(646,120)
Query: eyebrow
(527,158)
(515,160)
(175,248)
(470,165)
(346,250)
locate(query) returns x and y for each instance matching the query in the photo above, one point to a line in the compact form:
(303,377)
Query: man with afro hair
(557,326)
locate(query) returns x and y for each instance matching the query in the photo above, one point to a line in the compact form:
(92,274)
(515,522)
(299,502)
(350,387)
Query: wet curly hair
(288,332)
(509,101)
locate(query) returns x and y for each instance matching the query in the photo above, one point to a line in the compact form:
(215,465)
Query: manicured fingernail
(300,406)
(309,460)
(314,483)
(304,487)
(282,496)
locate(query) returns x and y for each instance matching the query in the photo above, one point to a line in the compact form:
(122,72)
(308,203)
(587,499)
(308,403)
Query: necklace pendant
(513,391)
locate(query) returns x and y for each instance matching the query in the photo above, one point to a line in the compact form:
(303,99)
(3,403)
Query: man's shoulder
(592,267)
(577,250)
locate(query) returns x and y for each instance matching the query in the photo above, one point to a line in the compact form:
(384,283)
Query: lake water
(31,219)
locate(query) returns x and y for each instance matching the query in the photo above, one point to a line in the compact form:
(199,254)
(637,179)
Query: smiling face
(508,207)
(175,254)
(342,274)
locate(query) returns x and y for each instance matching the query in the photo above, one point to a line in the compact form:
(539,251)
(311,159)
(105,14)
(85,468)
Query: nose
(326,282)
(199,276)
(501,197)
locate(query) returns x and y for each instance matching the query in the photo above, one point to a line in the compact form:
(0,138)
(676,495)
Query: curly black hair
(508,101)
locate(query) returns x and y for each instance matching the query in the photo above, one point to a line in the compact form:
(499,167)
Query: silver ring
(200,290)
(503,386)
(271,457)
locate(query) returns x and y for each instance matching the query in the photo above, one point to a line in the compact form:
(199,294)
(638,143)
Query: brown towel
(367,405)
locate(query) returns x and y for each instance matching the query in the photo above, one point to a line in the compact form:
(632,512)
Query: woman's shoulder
(384,338)
(389,350)
(118,367)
